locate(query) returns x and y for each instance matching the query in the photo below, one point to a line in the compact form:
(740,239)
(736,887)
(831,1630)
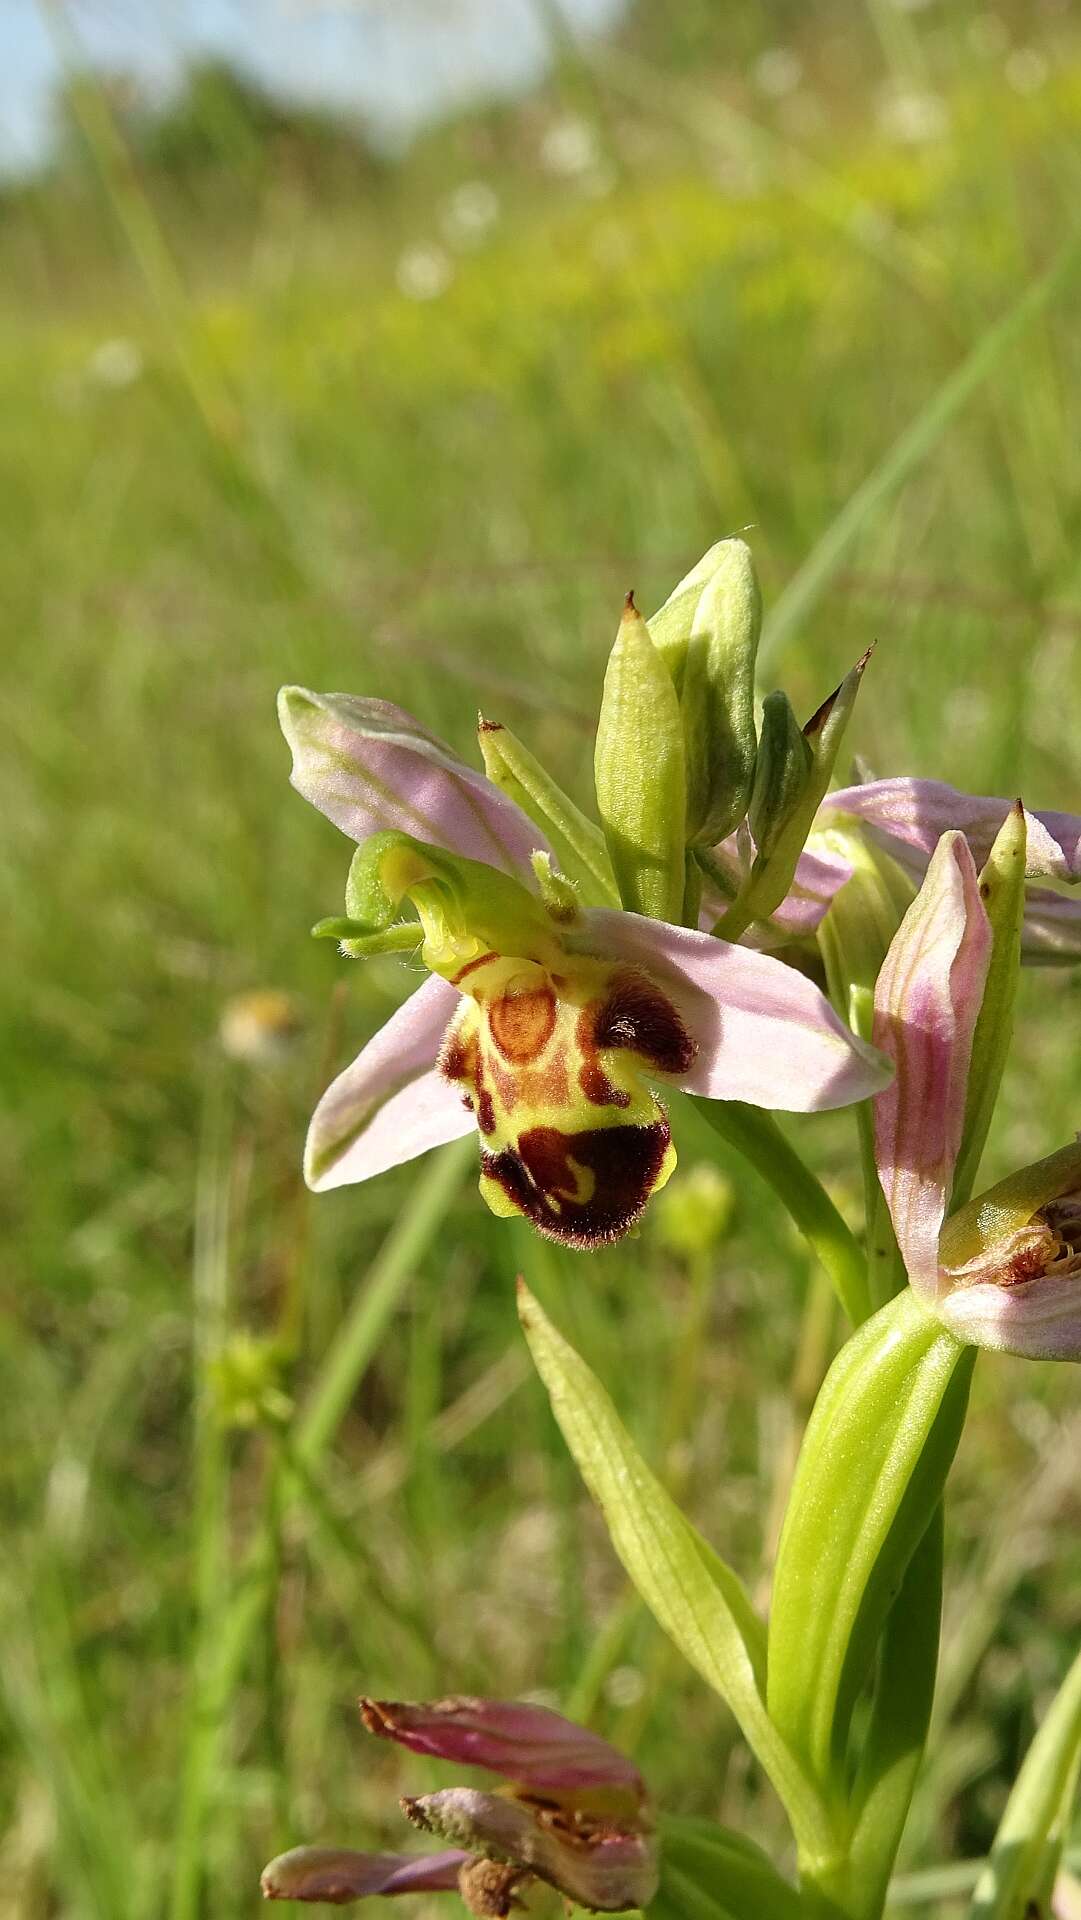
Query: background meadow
(276,406)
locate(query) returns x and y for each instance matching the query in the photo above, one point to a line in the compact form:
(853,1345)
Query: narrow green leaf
(870,1474)
(1002,890)
(901,1704)
(578,841)
(641,773)
(694,1596)
(1027,1846)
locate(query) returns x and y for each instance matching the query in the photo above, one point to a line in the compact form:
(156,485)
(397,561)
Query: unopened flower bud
(707,634)
(640,769)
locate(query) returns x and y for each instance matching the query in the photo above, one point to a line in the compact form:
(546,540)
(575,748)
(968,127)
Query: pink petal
(1051,929)
(1066,1897)
(918,812)
(529,1745)
(927,1001)
(370,768)
(817,878)
(764,1033)
(390,1104)
(1039,1319)
(336,1876)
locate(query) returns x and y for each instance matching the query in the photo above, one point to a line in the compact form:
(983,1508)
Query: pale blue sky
(398,62)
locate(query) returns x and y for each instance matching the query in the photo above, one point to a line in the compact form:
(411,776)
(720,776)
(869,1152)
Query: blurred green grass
(238,448)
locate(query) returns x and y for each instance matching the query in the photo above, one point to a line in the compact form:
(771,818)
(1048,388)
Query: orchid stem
(756,1135)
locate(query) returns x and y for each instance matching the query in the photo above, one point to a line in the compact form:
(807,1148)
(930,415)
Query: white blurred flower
(115,363)
(569,147)
(469,213)
(777,72)
(1026,70)
(912,118)
(624,1686)
(423,273)
(259,1027)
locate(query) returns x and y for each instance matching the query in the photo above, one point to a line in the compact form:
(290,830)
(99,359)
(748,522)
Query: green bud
(578,842)
(773,871)
(641,773)
(707,634)
(783,769)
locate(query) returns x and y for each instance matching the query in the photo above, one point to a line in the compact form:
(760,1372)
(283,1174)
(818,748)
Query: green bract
(1002,890)
(785,764)
(788,798)
(578,842)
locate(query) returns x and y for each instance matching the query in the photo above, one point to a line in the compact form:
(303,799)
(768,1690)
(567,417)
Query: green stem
(388,1277)
(759,1139)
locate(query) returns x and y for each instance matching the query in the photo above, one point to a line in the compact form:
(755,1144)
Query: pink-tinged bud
(1010,1263)
(597,1860)
(927,1002)
(334,1875)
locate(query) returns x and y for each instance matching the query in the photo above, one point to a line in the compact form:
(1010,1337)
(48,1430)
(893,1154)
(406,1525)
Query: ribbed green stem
(759,1139)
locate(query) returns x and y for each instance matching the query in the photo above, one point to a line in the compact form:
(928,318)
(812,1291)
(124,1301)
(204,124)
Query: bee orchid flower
(574,1814)
(907,817)
(1004,1271)
(549,1017)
